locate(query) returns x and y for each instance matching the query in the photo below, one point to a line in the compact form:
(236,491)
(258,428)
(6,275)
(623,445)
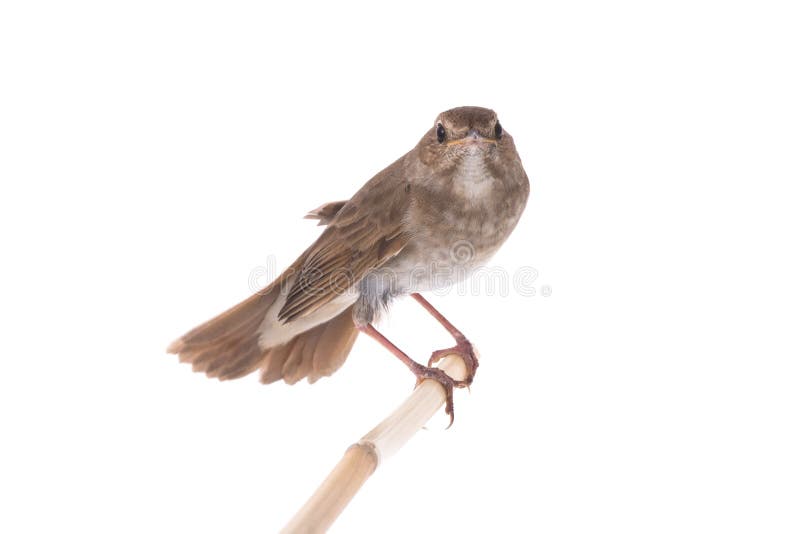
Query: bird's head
(464,132)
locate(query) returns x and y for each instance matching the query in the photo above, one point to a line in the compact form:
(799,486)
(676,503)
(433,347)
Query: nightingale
(423,223)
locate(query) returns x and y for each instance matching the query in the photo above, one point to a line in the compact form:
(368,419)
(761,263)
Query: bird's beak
(472,138)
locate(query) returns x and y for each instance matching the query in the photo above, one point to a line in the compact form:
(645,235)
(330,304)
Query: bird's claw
(464,349)
(434,373)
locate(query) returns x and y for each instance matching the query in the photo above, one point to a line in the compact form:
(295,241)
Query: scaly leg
(419,370)
(463,347)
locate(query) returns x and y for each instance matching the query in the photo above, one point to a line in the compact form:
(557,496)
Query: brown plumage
(463,184)
(326,212)
(238,342)
(227,346)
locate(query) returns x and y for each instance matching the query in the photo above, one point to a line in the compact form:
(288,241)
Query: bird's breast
(477,205)
(457,225)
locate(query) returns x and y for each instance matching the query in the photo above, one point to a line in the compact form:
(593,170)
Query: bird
(428,220)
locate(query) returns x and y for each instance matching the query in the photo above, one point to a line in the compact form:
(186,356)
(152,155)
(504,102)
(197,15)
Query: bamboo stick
(364,456)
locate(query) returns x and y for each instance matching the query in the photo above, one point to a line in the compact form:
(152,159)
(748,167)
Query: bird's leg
(463,347)
(419,370)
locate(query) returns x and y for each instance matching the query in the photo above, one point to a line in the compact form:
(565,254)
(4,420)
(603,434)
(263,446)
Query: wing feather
(366,231)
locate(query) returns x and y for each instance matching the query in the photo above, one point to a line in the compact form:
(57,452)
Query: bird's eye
(498,130)
(440,133)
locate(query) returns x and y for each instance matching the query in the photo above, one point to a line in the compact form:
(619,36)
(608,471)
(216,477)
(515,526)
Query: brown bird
(426,221)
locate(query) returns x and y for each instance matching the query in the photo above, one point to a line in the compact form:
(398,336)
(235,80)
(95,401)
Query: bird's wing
(367,231)
(326,212)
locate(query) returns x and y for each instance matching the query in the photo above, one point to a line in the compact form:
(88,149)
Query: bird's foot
(464,349)
(447,382)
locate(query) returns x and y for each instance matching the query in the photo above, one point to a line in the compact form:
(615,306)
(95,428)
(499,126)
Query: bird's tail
(231,346)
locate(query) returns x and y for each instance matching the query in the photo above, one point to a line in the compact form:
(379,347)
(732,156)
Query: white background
(153,154)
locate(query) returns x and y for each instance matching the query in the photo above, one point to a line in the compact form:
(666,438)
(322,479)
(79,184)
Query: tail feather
(296,366)
(290,369)
(315,353)
(243,319)
(245,361)
(272,367)
(228,347)
(333,346)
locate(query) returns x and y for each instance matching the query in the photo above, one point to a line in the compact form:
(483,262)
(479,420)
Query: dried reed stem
(364,456)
